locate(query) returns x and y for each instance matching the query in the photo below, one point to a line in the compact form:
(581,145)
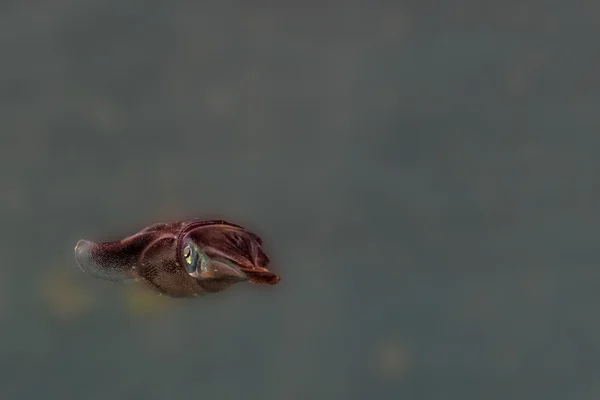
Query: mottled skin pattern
(155,258)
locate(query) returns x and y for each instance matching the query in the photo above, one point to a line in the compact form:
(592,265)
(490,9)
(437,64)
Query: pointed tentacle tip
(262,277)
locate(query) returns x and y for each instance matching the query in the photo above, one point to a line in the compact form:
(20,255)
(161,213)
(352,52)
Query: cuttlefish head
(219,255)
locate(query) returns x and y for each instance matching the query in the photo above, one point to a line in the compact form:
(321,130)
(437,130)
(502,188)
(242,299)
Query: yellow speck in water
(64,296)
(392,360)
(140,301)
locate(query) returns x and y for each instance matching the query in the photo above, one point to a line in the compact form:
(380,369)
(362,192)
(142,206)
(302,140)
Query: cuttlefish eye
(191,256)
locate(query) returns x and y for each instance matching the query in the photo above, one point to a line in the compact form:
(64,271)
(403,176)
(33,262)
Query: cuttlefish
(180,259)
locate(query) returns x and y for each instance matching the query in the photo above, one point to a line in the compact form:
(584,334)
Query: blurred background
(423,174)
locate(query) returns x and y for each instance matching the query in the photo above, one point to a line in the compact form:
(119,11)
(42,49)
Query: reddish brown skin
(153,257)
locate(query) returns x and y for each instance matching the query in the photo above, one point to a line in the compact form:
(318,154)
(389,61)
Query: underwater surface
(423,174)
